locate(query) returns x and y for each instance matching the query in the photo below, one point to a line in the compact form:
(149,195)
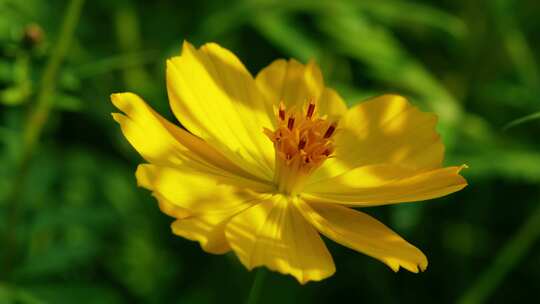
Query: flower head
(267,164)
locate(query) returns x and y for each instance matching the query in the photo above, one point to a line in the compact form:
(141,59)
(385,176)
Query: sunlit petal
(201,205)
(365,234)
(274,234)
(197,193)
(385,129)
(161,142)
(208,228)
(171,209)
(386,184)
(295,84)
(215,97)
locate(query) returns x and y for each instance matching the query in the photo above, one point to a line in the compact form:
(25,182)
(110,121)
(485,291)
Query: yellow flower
(270,162)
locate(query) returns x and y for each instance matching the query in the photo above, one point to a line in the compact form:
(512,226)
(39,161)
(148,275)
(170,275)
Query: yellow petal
(208,228)
(274,234)
(148,132)
(190,190)
(386,184)
(201,205)
(171,209)
(331,104)
(295,84)
(365,234)
(215,97)
(161,142)
(385,129)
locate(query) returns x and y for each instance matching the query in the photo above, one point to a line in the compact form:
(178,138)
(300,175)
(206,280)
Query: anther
(278,136)
(281,111)
(330,130)
(290,123)
(310,110)
(302,143)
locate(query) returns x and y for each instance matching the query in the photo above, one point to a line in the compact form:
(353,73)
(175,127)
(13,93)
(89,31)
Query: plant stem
(36,120)
(507,259)
(44,103)
(256,288)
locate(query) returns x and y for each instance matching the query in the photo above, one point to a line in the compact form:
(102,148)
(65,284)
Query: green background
(75,228)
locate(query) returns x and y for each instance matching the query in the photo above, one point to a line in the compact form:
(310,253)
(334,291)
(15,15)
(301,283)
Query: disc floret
(302,142)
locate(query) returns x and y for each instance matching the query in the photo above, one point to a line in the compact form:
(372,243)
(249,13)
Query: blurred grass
(86,234)
(33,127)
(522,120)
(505,261)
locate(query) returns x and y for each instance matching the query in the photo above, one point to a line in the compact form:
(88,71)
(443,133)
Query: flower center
(302,142)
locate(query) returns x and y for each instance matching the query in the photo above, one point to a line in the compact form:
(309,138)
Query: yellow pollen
(302,142)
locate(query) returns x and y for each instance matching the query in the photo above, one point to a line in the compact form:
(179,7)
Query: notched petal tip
(412,266)
(315,278)
(169,208)
(207,233)
(186,45)
(118,117)
(189,47)
(115,98)
(303,279)
(390,96)
(423,267)
(462,181)
(126,101)
(145,176)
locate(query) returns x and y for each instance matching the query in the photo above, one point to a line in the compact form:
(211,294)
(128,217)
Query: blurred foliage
(84,233)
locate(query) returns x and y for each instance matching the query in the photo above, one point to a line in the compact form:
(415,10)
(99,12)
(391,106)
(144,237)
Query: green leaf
(17,95)
(73,292)
(286,36)
(510,163)
(515,42)
(67,102)
(14,295)
(522,120)
(388,61)
(391,12)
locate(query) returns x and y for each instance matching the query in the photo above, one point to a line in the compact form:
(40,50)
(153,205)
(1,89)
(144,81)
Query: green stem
(36,120)
(507,259)
(44,103)
(256,288)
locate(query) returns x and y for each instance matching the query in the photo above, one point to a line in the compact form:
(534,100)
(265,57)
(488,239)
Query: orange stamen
(330,131)
(290,123)
(302,143)
(310,110)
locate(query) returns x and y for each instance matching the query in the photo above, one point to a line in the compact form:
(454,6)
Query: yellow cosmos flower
(270,163)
